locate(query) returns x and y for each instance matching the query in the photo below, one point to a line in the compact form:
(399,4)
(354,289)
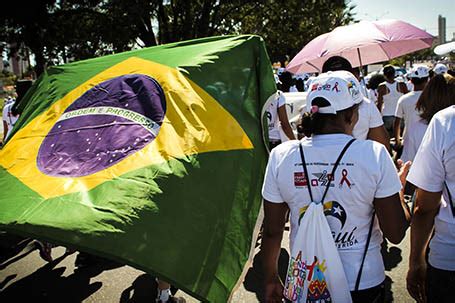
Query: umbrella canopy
(444,48)
(361,43)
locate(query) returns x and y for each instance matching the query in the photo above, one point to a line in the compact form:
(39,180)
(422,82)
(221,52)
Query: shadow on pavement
(388,289)
(391,256)
(10,246)
(254,278)
(48,285)
(143,289)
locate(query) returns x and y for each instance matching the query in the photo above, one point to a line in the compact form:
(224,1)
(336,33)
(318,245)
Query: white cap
(440,69)
(280,70)
(340,88)
(419,71)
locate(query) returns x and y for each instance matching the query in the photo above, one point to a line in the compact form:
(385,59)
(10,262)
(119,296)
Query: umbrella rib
(314,66)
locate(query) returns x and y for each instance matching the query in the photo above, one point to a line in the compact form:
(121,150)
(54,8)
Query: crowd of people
(393,140)
(396,140)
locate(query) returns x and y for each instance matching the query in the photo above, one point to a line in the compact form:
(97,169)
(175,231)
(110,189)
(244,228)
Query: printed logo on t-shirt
(299,179)
(343,239)
(322,179)
(344,181)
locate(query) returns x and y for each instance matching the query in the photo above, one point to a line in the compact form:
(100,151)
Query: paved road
(25,277)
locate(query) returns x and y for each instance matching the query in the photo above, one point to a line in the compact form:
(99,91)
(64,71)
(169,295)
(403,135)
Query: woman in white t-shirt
(438,94)
(433,173)
(365,182)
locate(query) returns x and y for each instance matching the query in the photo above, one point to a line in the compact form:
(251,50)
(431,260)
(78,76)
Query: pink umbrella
(361,43)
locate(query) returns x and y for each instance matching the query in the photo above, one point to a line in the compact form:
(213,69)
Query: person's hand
(274,291)
(415,281)
(403,170)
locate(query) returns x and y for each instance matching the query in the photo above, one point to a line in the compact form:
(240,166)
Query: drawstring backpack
(315,272)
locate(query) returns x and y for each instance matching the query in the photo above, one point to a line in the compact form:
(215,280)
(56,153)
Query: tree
(287,26)
(58,31)
(28,26)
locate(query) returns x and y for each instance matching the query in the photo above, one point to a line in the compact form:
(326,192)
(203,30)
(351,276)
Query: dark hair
(22,87)
(438,94)
(315,123)
(419,81)
(375,80)
(389,71)
(336,63)
(286,81)
(300,85)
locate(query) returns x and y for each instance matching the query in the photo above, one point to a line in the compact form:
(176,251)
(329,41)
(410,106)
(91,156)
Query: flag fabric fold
(152,157)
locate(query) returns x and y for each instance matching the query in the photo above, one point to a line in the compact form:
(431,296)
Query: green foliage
(61,31)
(7,78)
(288,25)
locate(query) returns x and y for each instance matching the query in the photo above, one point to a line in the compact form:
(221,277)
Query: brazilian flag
(153,157)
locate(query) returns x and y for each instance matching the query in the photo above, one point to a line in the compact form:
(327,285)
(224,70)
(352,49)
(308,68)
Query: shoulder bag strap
(370,231)
(335,167)
(305,169)
(452,207)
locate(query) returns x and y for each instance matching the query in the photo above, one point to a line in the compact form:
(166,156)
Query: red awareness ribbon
(344,178)
(336,87)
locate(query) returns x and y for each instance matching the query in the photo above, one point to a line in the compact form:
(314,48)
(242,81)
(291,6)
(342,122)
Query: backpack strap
(305,169)
(359,275)
(452,207)
(335,167)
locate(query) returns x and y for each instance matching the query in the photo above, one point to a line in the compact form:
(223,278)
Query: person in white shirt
(433,172)
(370,124)
(438,94)
(388,94)
(372,86)
(406,107)
(9,119)
(366,182)
(277,117)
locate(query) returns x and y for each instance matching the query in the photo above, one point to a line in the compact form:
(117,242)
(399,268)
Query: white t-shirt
(293,89)
(406,109)
(391,99)
(272,117)
(373,95)
(9,118)
(369,117)
(412,139)
(365,172)
(434,164)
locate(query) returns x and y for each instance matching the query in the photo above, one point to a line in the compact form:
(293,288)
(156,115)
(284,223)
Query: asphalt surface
(25,277)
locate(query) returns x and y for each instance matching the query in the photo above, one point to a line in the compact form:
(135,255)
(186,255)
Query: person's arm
(283,116)
(274,221)
(393,217)
(397,130)
(379,134)
(381,92)
(426,207)
(393,212)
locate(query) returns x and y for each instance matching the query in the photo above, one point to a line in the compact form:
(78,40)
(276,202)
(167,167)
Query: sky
(421,13)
